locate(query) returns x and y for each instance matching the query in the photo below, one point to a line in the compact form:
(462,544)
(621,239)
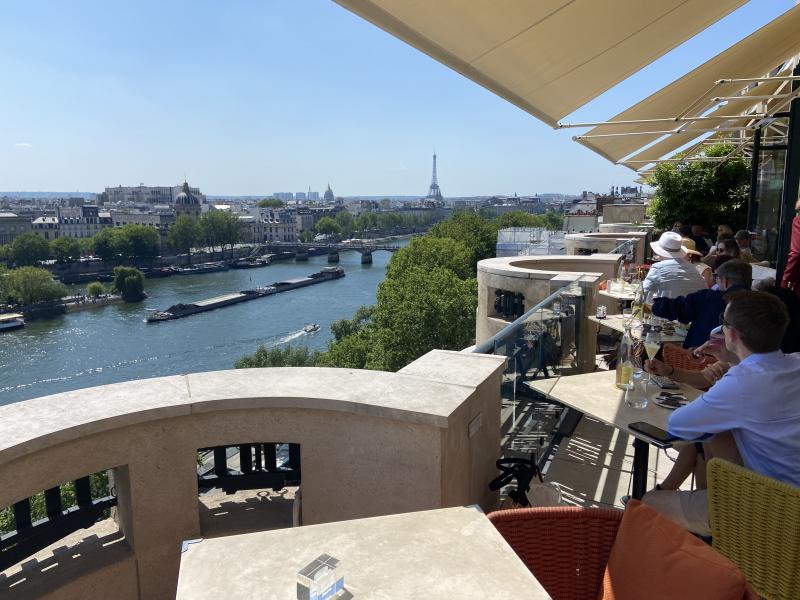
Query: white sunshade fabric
(548,57)
(752,57)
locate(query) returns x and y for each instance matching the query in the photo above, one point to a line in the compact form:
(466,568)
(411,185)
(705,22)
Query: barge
(181,310)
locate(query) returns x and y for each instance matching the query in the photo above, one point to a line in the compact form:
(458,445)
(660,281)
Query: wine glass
(652,344)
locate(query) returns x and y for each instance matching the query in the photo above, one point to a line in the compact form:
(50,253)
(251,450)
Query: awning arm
(661,120)
(668,132)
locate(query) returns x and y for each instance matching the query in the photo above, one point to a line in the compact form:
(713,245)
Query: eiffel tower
(434,193)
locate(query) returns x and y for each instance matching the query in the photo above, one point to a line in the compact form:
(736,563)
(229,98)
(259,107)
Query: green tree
(554,221)
(95,289)
(518,218)
(420,311)
(290,356)
(184,234)
(306,235)
(104,244)
(328,226)
(29,249)
(476,233)
(65,249)
(270,203)
(6,253)
(346,222)
(220,228)
(28,285)
(129,282)
(431,252)
(137,242)
(705,193)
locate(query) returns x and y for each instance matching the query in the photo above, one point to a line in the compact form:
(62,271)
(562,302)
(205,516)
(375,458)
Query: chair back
(755,522)
(678,358)
(566,548)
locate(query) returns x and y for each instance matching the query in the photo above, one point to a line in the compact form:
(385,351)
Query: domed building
(186,203)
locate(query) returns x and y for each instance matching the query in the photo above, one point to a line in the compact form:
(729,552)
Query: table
(595,394)
(621,296)
(617,323)
(444,553)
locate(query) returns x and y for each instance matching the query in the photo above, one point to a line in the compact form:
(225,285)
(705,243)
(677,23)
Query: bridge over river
(303,250)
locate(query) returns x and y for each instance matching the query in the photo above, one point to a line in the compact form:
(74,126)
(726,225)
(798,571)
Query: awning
(753,57)
(548,57)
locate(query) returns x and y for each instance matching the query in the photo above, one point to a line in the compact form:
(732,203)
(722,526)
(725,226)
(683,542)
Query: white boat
(9,321)
(311,328)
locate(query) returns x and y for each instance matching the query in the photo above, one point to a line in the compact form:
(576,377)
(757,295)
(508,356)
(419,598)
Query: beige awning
(694,130)
(549,57)
(753,57)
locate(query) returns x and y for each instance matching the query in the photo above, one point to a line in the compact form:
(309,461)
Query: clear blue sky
(254,97)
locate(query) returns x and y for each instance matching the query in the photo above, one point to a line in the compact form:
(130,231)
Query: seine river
(111,344)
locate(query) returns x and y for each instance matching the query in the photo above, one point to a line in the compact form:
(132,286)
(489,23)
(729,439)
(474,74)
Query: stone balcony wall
(624,213)
(372,444)
(604,243)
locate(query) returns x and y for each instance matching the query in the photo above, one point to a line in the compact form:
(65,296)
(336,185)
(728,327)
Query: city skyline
(248,99)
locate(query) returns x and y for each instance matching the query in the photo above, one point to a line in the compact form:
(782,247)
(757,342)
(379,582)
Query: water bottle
(625,361)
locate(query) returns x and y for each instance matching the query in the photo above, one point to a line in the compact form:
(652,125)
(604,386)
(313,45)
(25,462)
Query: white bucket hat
(669,244)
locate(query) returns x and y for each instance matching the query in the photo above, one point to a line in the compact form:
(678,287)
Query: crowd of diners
(749,411)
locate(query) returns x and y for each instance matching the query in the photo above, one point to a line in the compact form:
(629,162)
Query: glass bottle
(637,306)
(625,361)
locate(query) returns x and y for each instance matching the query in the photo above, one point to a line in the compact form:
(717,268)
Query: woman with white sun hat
(673,275)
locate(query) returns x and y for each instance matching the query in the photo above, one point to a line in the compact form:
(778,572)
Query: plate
(662,402)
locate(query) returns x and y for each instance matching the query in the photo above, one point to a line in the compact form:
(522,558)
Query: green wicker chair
(755,522)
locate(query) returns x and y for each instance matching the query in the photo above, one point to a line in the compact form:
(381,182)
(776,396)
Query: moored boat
(10,321)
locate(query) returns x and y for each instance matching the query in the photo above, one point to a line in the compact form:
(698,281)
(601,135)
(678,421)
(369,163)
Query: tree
(306,235)
(29,285)
(475,232)
(422,310)
(702,192)
(95,289)
(129,282)
(554,221)
(137,242)
(184,234)
(431,252)
(29,249)
(65,249)
(270,203)
(346,222)
(518,218)
(220,228)
(291,356)
(327,226)
(104,245)
(5,253)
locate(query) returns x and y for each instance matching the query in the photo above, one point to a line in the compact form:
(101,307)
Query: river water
(111,344)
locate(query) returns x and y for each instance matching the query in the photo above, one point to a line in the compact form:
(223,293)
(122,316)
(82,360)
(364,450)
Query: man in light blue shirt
(755,405)
(674,275)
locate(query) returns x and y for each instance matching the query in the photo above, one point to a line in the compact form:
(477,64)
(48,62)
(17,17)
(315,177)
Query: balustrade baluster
(246,458)
(259,465)
(22,514)
(294,457)
(83,491)
(270,457)
(52,500)
(220,461)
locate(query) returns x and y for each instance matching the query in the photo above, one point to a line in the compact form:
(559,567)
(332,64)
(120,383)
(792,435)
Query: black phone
(659,437)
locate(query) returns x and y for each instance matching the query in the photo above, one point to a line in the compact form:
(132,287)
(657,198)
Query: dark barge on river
(181,310)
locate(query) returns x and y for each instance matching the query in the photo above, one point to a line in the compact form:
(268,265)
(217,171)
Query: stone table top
(445,553)
(595,395)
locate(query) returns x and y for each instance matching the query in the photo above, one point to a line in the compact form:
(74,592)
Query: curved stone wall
(372,443)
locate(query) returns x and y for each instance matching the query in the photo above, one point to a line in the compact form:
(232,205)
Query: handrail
(626,243)
(488,346)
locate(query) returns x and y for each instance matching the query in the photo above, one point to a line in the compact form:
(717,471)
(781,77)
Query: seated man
(703,307)
(674,275)
(752,412)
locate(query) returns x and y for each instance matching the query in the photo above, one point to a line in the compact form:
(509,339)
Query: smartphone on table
(658,437)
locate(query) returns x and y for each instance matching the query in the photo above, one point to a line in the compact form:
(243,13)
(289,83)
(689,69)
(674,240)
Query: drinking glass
(636,395)
(652,344)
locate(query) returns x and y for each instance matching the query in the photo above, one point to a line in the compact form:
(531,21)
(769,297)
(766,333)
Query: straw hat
(669,244)
(690,246)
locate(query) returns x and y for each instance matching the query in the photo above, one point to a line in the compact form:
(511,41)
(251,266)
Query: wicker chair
(755,522)
(566,548)
(678,358)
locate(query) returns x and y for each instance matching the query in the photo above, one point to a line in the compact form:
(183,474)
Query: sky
(251,97)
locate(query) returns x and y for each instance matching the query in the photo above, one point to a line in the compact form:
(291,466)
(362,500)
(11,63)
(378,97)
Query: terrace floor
(593,466)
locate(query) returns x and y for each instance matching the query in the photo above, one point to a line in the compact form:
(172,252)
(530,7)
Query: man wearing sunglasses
(752,414)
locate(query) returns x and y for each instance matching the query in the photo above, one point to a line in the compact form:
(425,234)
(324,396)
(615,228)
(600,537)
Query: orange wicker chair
(677,357)
(566,548)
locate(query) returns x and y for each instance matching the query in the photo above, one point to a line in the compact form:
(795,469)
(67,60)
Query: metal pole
(752,201)
(791,182)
